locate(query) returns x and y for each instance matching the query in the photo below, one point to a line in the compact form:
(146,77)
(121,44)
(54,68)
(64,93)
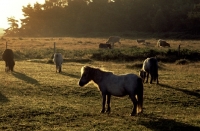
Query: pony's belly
(118,93)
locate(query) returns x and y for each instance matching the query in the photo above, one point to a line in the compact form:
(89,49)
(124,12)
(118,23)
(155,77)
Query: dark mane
(95,68)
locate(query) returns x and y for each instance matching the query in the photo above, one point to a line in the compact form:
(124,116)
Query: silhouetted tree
(70,17)
(13,30)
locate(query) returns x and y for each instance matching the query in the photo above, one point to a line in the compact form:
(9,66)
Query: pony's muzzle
(81,83)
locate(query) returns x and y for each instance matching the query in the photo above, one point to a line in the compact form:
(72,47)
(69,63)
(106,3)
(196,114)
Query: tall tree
(13,29)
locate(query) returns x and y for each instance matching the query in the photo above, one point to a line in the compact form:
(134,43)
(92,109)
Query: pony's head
(86,73)
(142,74)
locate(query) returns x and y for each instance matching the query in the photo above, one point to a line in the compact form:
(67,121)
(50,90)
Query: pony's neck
(97,75)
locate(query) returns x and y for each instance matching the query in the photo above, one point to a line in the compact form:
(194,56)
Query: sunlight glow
(13,8)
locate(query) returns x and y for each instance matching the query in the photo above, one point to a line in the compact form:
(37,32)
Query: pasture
(73,43)
(35,97)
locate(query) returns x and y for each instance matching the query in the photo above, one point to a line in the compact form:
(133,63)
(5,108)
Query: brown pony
(8,57)
(116,85)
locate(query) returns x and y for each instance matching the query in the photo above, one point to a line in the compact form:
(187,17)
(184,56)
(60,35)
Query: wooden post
(179,47)
(54,47)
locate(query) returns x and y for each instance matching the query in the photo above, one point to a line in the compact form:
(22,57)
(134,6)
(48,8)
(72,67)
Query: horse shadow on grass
(156,123)
(3,98)
(70,75)
(25,78)
(192,93)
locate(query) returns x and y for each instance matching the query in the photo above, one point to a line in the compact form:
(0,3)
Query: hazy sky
(13,8)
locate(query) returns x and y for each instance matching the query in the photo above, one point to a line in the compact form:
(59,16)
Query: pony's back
(58,59)
(8,55)
(150,66)
(113,39)
(146,65)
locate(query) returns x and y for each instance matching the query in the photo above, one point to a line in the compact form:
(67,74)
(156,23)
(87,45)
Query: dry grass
(34,97)
(72,43)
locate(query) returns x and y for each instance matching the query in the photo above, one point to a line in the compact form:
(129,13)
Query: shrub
(182,62)
(49,61)
(137,65)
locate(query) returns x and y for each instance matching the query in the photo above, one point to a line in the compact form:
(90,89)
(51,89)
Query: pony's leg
(56,68)
(151,79)
(108,103)
(10,67)
(157,80)
(147,77)
(60,68)
(6,66)
(134,100)
(103,102)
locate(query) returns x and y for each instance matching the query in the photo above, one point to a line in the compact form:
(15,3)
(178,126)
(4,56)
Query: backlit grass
(35,97)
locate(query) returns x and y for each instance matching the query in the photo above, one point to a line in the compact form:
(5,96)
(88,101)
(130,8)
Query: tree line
(70,17)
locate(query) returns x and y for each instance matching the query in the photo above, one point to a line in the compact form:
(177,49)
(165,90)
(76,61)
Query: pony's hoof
(108,111)
(133,114)
(102,111)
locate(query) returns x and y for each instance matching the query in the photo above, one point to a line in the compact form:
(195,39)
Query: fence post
(54,47)
(179,48)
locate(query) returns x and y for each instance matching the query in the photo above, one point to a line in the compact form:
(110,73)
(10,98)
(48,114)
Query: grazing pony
(104,46)
(8,57)
(162,43)
(116,85)
(113,39)
(140,41)
(150,66)
(58,60)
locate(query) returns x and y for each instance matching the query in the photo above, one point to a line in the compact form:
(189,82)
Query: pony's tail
(140,95)
(154,69)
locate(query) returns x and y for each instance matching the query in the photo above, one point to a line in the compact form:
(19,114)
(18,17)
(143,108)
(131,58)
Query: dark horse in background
(116,85)
(150,66)
(8,57)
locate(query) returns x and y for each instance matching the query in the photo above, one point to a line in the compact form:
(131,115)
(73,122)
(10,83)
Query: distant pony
(116,85)
(104,46)
(140,41)
(162,43)
(58,60)
(150,66)
(113,39)
(8,57)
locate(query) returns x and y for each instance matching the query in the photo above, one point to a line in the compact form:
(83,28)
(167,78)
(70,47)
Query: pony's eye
(84,75)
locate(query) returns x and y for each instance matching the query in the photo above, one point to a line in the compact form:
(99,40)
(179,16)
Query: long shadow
(182,90)
(70,75)
(3,98)
(83,61)
(161,124)
(25,78)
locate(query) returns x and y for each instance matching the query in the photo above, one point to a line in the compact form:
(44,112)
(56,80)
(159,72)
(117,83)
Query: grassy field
(72,43)
(35,97)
